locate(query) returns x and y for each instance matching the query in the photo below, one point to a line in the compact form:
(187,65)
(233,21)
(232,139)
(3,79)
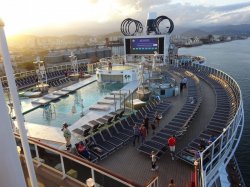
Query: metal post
(120,93)
(124,102)
(11,170)
(132,102)
(37,155)
(16,103)
(93,174)
(63,168)
(115,102)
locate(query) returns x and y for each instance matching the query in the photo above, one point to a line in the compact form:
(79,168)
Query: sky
(62,17)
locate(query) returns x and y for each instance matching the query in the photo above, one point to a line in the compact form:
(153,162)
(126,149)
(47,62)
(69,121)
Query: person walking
(67,136)
(171,184)
(153,126)
(171,144)
(153,161)
(158,118)
(143,133)
(136,134)
(146,122)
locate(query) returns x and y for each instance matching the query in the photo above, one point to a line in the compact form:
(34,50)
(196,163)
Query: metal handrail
(235,123)
(153,182)
(81,161)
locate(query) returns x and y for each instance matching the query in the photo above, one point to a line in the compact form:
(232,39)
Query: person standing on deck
(184,82)
(171,184)
(153,127)
(153,161)
(136,134)
(171,144)
(143,133)
(146,122)
(67,136)
(158,118)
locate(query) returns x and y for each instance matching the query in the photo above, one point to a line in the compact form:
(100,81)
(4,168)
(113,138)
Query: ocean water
(234,59)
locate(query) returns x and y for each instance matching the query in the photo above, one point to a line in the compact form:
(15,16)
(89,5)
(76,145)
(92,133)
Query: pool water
(62,110)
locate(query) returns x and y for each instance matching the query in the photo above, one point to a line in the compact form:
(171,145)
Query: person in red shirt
(171,144)
(143,133)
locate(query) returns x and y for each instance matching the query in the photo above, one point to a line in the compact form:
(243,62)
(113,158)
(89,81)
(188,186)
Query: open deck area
(136,166)
(197,104)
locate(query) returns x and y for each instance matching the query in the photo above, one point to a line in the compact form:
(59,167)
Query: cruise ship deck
(133,166)
(210,105)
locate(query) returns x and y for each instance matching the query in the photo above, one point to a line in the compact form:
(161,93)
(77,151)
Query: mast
(11,170)
(17,107)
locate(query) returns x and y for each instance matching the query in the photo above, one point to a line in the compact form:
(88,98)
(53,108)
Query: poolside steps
(99,107)
(106,102)
(51,96)
(41,101)
(111,97)
(60,92)
(78,85)
(119,92)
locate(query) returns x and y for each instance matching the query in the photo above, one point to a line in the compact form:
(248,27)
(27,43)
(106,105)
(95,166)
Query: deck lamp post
(90,182)
(196,163)
(16,105)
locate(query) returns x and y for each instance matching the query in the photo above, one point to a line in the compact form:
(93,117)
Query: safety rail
(154,182)
(223,148)
(76,168)
(48,69)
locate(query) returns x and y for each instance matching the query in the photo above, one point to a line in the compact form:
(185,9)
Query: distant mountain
(243,29)
(195,32)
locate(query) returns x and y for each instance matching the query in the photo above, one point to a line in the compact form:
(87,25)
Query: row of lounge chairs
(29,81)
(177,126)
(104,137)
(26,82)
(110,133)
(98,124)
(59,82)
(223,114)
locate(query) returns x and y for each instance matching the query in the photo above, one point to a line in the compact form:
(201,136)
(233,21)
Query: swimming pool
(62,110)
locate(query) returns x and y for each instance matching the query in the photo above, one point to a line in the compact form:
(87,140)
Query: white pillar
(17,106)
(11,173)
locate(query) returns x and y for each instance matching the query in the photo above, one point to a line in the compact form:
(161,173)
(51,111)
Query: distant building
(57,56)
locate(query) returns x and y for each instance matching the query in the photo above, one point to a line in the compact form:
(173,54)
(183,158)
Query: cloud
(183,15)
(194,16)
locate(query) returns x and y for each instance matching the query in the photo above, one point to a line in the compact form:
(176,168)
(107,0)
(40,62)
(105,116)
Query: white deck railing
(223,148)
(76,168)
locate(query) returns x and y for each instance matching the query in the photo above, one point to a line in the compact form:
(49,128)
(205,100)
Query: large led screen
(144,45)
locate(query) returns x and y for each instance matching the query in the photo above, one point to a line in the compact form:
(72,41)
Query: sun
(28,15)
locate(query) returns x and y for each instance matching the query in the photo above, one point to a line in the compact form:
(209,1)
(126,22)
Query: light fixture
(90,182)
(18,149)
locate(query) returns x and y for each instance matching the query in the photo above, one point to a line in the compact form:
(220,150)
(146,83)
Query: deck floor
(136,166)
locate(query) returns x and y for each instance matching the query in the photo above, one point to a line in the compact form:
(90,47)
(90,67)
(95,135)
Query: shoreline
(211,43)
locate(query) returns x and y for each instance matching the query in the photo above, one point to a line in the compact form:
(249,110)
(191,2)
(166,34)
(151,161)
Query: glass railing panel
(49,158)
(76,170)
(104,180)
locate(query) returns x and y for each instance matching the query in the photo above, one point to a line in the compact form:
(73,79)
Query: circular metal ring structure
(126,27)
(159,19)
